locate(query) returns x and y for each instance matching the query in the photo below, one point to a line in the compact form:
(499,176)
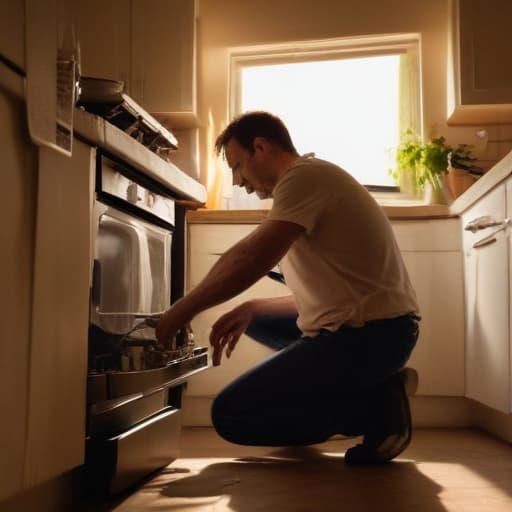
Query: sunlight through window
(345,111)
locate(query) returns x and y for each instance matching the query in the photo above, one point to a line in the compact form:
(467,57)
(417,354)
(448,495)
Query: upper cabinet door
(103,31)
(150,46)
(485,48)
(164,59)
(12,31)
(482,74)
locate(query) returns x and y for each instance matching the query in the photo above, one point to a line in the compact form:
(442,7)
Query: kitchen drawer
(216,239)
(116,463)
(111,417)
(428,235)
(420,235)
(121,384)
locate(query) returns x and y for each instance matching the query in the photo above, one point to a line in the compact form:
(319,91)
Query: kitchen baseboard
(440,411)
(426,411)
(494,422)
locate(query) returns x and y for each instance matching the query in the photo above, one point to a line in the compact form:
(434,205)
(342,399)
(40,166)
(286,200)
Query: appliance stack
(134,385)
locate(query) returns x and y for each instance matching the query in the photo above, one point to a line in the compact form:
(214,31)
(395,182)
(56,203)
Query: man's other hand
(226,331)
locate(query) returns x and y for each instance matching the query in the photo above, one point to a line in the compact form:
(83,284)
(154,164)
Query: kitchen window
(346,100)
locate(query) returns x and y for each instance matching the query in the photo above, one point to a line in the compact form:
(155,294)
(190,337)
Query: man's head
(259,149)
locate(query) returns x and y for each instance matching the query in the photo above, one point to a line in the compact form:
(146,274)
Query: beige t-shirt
(346,267)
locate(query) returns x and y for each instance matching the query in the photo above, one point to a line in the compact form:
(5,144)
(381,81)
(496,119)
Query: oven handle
(151,317)
(149,320)
(96,282)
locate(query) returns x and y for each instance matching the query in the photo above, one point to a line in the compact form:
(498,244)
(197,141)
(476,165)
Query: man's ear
(260,144)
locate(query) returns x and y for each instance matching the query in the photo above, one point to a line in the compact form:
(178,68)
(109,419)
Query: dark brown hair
(246,127)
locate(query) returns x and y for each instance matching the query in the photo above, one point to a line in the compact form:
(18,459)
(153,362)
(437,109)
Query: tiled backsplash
(187,156)
(498,140)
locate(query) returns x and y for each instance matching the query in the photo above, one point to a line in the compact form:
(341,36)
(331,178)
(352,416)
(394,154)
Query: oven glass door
(132,271)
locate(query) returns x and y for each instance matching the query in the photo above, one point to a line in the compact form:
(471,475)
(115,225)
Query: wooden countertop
(203,216)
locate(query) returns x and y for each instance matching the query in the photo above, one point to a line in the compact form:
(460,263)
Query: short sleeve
(301,196)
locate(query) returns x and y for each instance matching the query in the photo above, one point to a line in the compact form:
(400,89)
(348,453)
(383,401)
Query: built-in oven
(134,385)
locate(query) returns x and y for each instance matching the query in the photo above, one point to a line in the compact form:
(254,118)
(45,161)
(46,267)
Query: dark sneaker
(390,433)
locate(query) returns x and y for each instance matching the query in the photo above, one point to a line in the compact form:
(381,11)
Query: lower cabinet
(486,268)
(45,260)
(55,439)
(432,253)
(206,243)
(18,213)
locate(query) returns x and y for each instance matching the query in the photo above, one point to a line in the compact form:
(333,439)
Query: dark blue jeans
(313,387)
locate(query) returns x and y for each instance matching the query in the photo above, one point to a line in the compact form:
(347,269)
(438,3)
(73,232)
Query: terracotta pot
(459,181)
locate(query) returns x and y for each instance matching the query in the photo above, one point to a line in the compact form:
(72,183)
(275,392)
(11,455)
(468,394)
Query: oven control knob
(132,193)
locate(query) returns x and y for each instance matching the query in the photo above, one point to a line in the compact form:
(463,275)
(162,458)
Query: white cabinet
(103,31)
(487,304)
(149,46)
(45,267)
(206,242)
(12,31)
(432,253)
(55,423)
(164,59)
(482,81)
(18,214)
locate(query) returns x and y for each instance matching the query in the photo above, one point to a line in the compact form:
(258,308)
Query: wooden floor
(461,470)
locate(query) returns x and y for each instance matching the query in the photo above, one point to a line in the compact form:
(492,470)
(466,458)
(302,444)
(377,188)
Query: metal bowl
(99,90)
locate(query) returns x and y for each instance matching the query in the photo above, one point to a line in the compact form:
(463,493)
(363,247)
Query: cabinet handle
(483,222)
(96,283)
(488,240)
(491,238)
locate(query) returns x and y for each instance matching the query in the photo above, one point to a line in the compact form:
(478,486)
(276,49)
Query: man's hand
(226,331)
(169,324)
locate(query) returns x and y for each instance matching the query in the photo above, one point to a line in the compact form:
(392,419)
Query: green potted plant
(420,163)
(434,166)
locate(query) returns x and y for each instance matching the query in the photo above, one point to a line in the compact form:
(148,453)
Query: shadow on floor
(305,479)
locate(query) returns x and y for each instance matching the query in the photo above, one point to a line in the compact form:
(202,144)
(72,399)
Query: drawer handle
(483,222)
(488,240)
